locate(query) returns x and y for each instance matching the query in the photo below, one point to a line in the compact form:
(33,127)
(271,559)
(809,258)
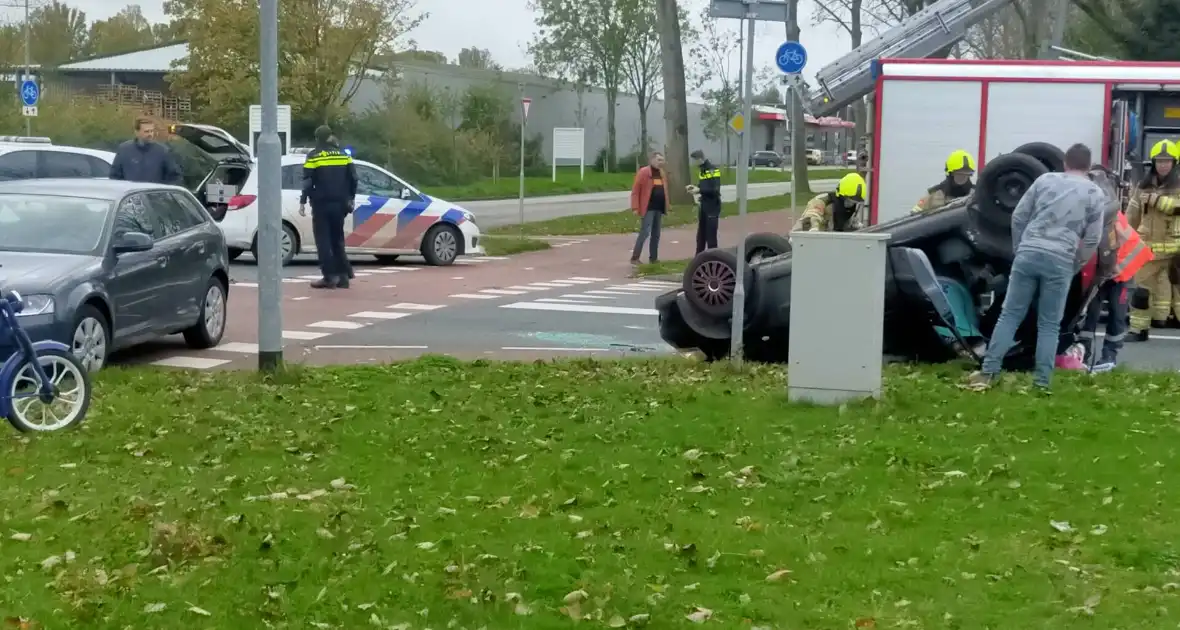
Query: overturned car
(946,277)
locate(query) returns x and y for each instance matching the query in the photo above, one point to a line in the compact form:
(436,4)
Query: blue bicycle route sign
(30,93)
(791,57)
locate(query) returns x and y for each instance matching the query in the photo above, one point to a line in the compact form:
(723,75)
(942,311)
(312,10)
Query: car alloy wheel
(445,245)
(89,344)
(714,282)
(285,244)
(214,315)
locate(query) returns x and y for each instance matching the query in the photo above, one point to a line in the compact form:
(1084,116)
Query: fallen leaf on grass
(1061,526)
(778,576)
(700,615)
(197,610)
(692,454)
(21,623)
(617,622)
(155,608)
(22,537)
(866,622)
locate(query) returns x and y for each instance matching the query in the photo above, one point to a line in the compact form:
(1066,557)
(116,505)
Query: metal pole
(790,125)
(743,181)
(28,68)
(523,117)
(270,206)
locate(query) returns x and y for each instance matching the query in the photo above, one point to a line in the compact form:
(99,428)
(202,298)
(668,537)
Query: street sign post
(791,58)
(30,94)
(524,116)
(751,11)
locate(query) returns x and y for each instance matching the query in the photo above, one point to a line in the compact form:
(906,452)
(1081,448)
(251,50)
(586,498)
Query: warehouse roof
(155,59)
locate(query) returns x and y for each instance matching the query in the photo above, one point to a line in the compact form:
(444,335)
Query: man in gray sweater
(1056,229)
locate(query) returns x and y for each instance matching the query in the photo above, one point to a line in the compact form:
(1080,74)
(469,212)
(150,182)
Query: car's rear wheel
(91,340)
(765,245)
(1052,157)
(210,326)
(1002,182)
(441,245)
(711,280)
(288,245)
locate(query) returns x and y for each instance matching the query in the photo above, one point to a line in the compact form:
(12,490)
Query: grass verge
(625,221)
(504,245)
(528,495)
(569,182)
(661,268)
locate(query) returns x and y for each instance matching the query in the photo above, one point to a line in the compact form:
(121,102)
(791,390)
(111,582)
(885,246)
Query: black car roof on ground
(97,188)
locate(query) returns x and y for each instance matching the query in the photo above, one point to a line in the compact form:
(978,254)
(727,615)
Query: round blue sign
(30,93)
(791,57)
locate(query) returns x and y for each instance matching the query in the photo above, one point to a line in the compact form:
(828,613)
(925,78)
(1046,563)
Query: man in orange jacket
(649,200)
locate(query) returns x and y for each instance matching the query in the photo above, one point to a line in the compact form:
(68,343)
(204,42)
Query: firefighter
(330,183)
(835,211)
(708,190)
(1152,212)
(960,166)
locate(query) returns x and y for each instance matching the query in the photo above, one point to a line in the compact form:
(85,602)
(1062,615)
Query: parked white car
(27,157)
(391,218)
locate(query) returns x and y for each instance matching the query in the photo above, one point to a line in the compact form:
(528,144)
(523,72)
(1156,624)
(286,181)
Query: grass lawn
(569,182)
(661,268)
(436,494)
(508,245)
(625,221)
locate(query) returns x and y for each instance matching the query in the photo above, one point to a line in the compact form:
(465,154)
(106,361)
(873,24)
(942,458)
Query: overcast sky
(506,26)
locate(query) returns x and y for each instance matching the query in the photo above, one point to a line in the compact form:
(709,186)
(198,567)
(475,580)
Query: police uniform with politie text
(1154,212)
(835,211)
(330,183)
(960,166)
(708,190)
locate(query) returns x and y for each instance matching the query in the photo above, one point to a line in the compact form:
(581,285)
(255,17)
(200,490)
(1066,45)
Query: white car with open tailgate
(391,218)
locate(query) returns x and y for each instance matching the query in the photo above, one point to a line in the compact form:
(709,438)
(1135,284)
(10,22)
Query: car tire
(1045,153)
(234,253)
(91,339)
(1002,182)
(386,259)
(290,251)
(709,282)
(210,326)
(441,245)
(765,245)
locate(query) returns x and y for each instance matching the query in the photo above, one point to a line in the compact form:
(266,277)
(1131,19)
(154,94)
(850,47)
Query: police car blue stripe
(366,210)
(410,212)
(452,216)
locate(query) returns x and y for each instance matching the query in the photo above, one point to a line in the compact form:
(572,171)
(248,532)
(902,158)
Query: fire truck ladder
(921,35)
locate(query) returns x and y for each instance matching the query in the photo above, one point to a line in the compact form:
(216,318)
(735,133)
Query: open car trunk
(219,189)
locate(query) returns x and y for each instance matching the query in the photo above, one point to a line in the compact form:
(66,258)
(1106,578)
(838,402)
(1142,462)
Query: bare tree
(668,16)
(848,15)
(642,65)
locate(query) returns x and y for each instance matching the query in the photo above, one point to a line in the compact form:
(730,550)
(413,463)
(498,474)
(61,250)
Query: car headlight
(37,305)
(468,216)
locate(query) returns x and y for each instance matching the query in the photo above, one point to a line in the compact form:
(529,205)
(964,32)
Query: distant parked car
(815,156)
(103,265)
(850,157)
(766,158)
(27,157)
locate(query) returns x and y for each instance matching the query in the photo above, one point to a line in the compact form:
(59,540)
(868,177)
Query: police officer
(960,166)
(1152,211)
(835,211)
(330,183)
(708,189)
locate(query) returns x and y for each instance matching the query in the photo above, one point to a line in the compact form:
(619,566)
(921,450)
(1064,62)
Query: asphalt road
(489,214)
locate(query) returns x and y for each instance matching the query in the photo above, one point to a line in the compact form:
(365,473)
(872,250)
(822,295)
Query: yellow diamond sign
(737,123)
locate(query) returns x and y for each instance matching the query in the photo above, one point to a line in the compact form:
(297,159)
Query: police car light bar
(26,139)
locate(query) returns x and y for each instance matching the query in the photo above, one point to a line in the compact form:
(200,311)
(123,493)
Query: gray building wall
(555,104)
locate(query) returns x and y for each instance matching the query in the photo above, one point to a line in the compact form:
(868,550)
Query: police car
(28,157)
(391,218)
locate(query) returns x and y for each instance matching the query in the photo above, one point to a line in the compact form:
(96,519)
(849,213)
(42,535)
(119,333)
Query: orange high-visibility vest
(1132,254)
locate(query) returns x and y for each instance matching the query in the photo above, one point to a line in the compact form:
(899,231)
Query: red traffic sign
(525,102)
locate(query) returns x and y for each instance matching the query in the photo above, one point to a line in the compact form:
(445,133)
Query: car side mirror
(127,242)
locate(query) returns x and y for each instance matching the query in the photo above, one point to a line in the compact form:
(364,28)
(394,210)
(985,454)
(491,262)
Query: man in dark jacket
(330,183)
(145,160)
(709,205)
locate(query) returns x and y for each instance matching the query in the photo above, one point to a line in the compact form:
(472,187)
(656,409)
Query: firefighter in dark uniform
(708,191)
(330,183)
